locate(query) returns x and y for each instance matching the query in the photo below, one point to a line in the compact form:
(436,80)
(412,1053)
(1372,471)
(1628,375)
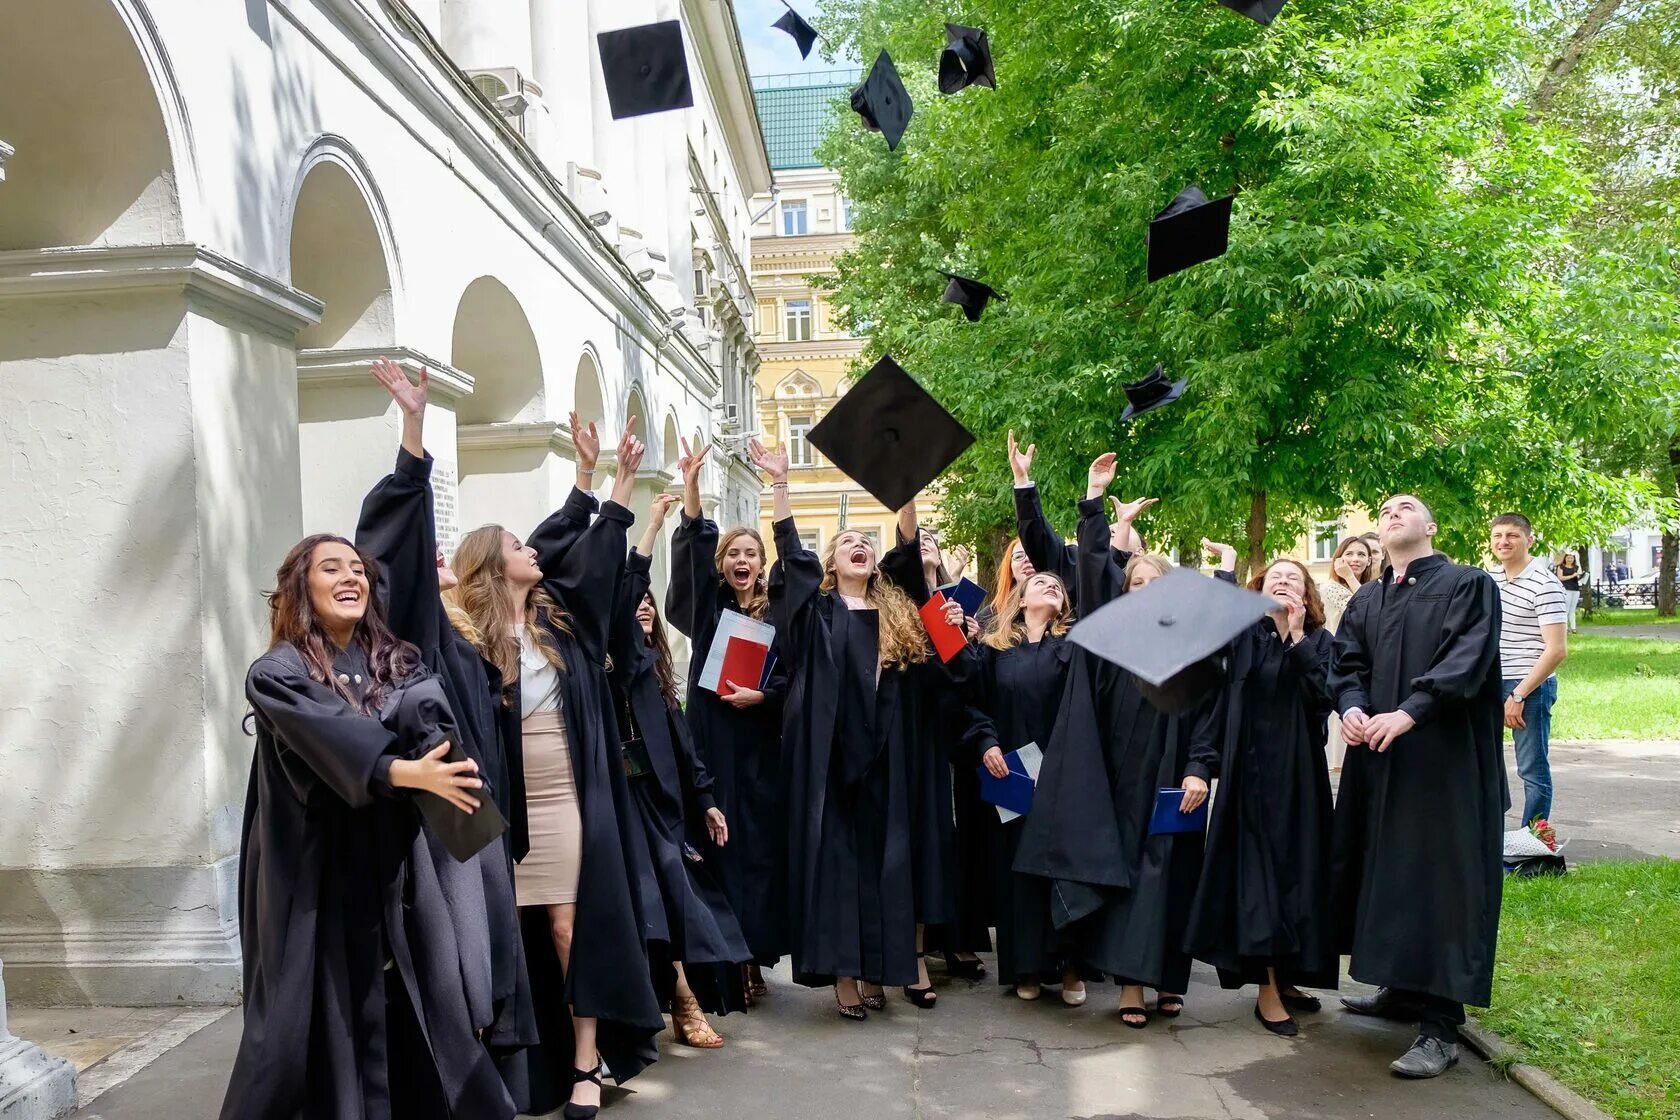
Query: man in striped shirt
(1532,645)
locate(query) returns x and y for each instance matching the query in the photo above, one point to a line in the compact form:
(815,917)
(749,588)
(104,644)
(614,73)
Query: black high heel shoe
(923,998)
(583,1111)
(876,1002)
(964,970)
(852,1012)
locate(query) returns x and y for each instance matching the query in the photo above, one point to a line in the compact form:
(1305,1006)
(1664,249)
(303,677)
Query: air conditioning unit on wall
(511,92)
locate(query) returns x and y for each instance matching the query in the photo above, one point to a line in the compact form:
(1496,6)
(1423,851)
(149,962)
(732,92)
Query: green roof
(795,117)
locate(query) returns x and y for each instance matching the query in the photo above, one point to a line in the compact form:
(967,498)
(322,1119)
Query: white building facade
(212,217)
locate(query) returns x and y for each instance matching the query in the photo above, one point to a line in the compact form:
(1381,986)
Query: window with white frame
(800,451)
(810,540)
(845,214)
(795,222)
(796,318)
(1325,536)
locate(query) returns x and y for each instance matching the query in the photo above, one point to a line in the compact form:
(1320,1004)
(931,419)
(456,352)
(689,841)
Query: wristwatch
(1518,697)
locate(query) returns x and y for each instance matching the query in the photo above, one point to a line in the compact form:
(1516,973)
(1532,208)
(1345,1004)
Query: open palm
(411,398)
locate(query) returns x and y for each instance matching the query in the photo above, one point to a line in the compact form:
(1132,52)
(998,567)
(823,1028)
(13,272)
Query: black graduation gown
(336,880)
(973,835)
(397,528)
(609,978)
(671,801)
(1265,891)
(741,749)
(1046,549)
(846,736)
(1416,866)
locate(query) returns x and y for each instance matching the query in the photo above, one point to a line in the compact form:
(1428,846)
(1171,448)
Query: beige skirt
(549,872)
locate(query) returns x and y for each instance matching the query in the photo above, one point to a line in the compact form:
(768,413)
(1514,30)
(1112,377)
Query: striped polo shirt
(1528,601)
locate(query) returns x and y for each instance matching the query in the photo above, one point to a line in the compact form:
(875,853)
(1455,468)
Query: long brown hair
(291,618)
(1008,627)
(483,608)
(1309,596)
(758,603)
(664,669)
(1005,576)
(1370,559)
(903,641)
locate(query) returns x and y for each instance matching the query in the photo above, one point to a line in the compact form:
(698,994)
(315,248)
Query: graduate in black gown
(851,641)
(398,530)
(700,940)
(542,609)
(1262,913)
(737,730)
(355,1003)
(1419,816)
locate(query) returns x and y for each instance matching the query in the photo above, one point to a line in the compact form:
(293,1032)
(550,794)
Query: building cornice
(517,435)
(772,351)
(725,65)
(348,366)
(207,277)
(777,247)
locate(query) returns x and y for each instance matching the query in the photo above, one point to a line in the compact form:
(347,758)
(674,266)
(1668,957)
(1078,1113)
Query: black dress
(397,529)
(609,979)
(1264,897)
(337,882)
(1417,854)
(693,919)
(846,737)
(741,749)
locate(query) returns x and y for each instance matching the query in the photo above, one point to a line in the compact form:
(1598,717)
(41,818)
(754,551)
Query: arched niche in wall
(338,246)
(588,399)
(494,343)
(92,165)
(670,443)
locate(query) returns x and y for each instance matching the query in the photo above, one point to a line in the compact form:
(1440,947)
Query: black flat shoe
(583,1111)
(964,970)
(1144,1011)
(1286,1028)
(1300,1001)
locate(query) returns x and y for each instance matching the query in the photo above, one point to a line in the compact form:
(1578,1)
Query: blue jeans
(1533,742)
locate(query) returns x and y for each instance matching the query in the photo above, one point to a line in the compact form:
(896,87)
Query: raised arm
(902,564)
(691,596)
(627,644)
(588,579)
(1043,545)
(560,529)
(1099,578)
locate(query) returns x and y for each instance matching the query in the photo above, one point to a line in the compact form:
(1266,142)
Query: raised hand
(586,441)
(630,451)
(410,398)
(691,462)
(1020,462)
(1224,553)
(1101,475)
(660,508)
(773,463)
(1127,512)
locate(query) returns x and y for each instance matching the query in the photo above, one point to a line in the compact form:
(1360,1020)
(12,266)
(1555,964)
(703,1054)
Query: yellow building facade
(806,359)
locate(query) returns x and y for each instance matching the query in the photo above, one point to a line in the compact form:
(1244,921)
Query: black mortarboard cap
(882,101)
(970,295)
(889,436)
(1189,231)
(966,60)
(1260,11)
(1151,392)
(645,69)
(1171,633)
(803,33)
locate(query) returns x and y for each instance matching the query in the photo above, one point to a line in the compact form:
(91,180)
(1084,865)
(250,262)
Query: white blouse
(539,682)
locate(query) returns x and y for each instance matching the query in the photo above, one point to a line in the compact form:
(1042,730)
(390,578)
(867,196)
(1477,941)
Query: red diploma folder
(947,639)
(743,664)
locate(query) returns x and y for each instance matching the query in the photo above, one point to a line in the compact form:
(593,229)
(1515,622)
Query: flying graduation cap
(1171,633)
(966,60)
(883,102)
(889,436)
(970,295)
(794,24)
(645,69)
(1153,391)
(1260,11)
(1189,231)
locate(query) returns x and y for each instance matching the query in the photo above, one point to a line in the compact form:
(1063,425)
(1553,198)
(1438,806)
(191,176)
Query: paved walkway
(1668,633)
(980,1054)
(1611,799)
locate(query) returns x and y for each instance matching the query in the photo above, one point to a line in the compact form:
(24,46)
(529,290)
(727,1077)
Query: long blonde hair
(1008,627)
(481,608)
(1145,560)
(903,641)
(758,603)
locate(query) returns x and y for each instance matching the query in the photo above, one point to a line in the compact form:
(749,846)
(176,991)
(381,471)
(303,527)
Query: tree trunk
(1670,543)
(1256,536)
(1570,57)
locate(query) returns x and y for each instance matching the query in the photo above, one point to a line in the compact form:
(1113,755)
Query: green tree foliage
(1396,212)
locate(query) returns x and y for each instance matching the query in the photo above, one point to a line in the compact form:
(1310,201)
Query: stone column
(34,1085)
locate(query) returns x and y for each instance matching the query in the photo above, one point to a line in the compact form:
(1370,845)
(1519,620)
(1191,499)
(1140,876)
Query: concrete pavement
(1611,799)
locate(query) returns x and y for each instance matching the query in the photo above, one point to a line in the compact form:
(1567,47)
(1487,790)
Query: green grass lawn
(1618,688)
(1626,617)
(1587,984)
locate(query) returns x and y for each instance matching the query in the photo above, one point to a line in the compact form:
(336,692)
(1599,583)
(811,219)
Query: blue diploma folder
(1014,792)
(965,591)
(1167,818)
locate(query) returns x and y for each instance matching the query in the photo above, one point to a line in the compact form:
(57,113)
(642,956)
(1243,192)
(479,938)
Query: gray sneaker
(1428,1057)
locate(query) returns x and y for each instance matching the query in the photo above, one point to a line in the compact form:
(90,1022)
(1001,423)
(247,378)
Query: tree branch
(1573,51)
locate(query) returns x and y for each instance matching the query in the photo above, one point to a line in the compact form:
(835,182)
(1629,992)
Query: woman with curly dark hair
(354,1003)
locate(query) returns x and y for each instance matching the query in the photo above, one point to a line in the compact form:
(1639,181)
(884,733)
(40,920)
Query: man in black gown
(1416,856)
